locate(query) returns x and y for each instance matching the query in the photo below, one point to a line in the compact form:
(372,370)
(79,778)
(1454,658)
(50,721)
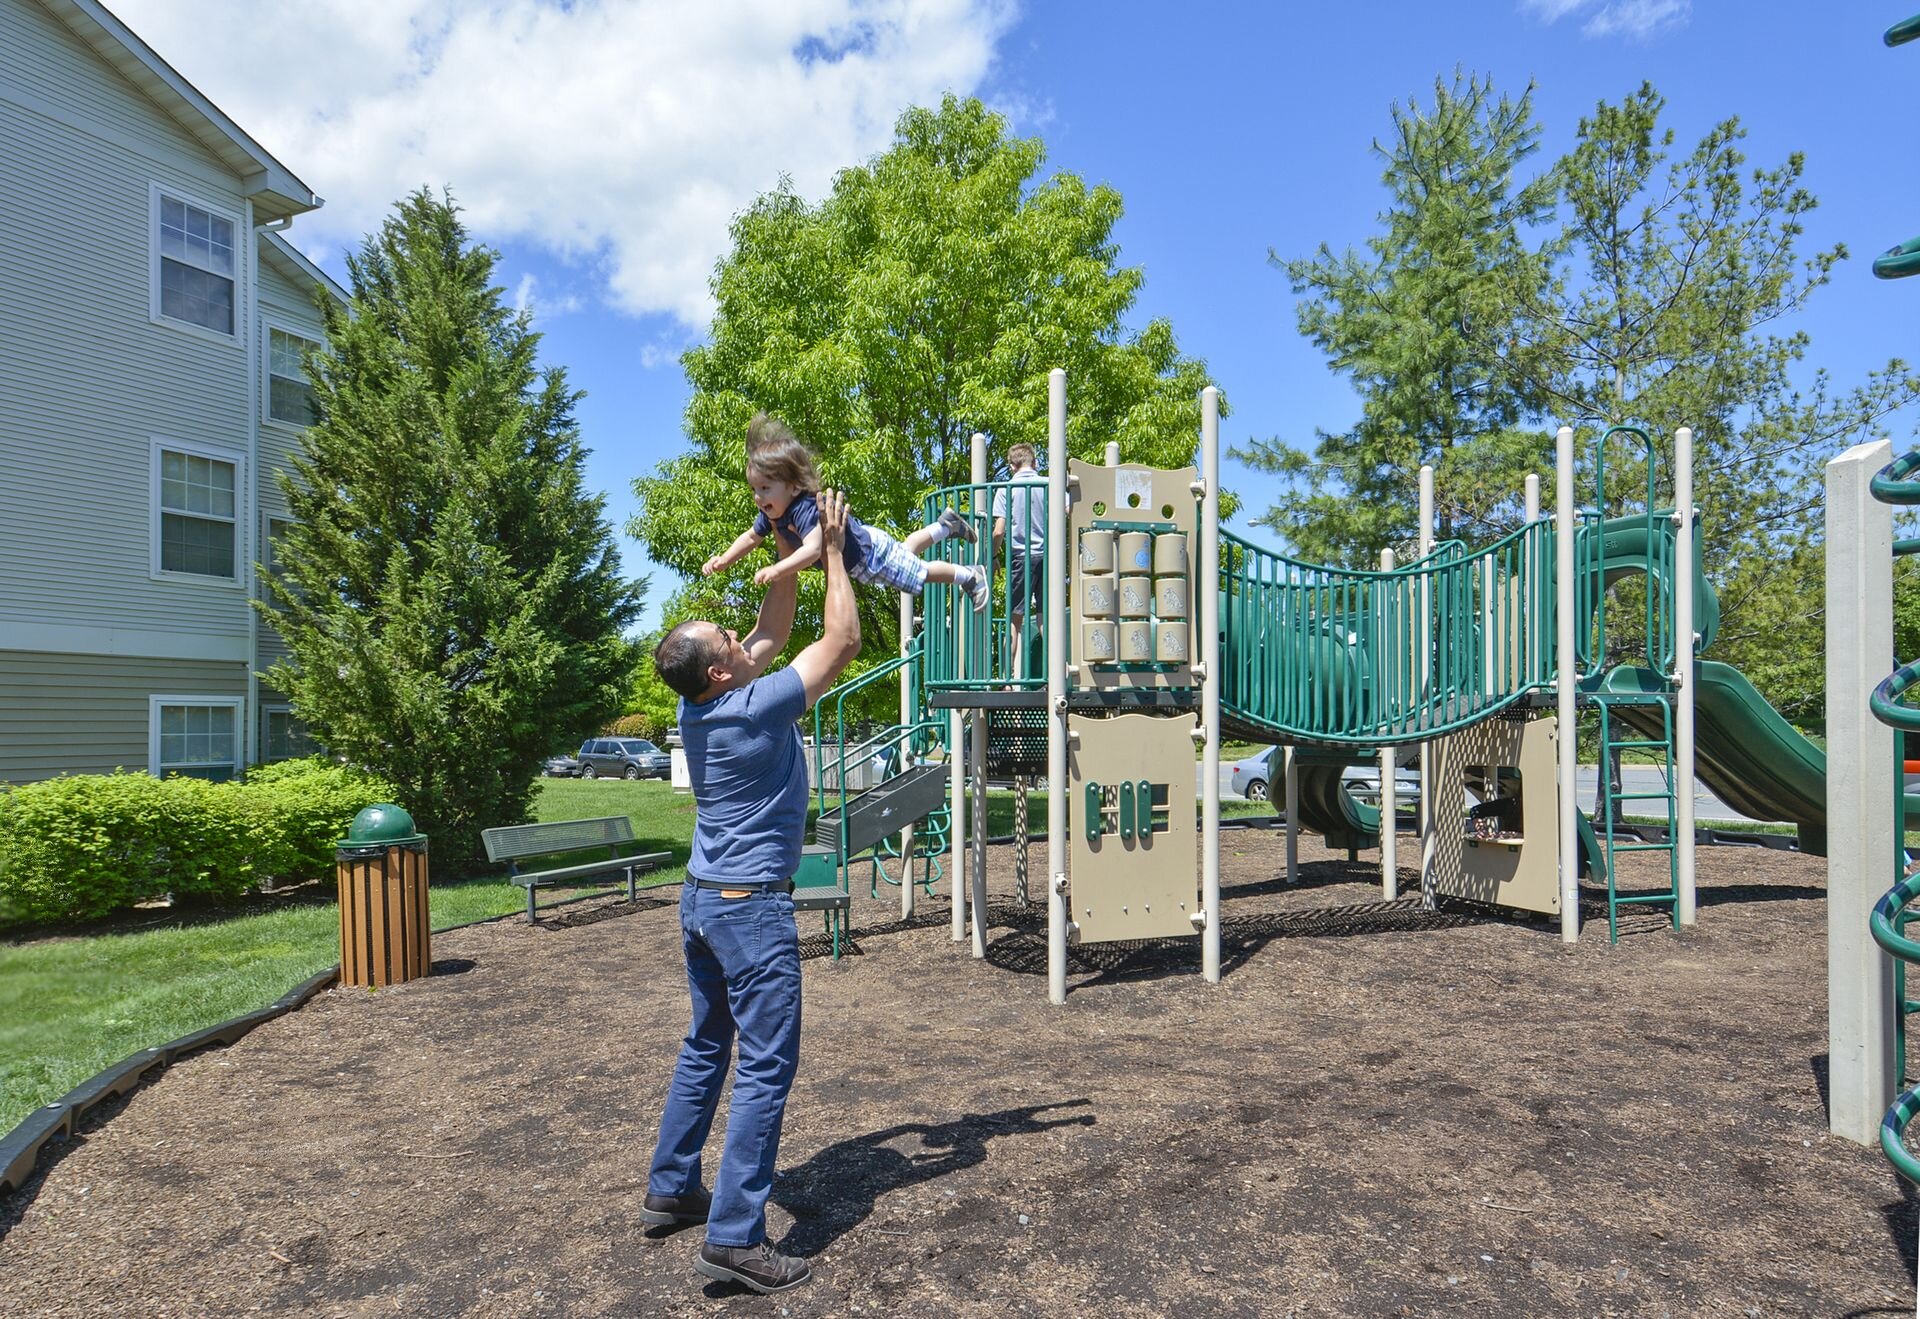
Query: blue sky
(1229,130)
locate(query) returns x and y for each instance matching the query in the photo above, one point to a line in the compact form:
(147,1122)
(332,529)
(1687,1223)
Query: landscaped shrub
(85,846)
(637,725)
(82,846)
(301,808)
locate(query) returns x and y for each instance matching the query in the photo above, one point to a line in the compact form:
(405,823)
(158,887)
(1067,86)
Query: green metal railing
(1652,552)
(916,739)
(1380,658)
(977,649)
(1652,527)
(1896,484)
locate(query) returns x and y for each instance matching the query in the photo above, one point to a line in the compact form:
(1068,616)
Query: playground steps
(884,809)
(1617,734)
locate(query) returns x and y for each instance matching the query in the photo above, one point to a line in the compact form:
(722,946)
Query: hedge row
(85,846)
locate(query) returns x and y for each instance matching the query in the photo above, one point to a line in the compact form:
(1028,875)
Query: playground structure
(1159,631)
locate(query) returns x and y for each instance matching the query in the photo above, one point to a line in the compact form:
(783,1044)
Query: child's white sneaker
(975,585)
(953,524)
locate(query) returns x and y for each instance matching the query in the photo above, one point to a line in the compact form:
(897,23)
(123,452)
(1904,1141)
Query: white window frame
(242,512)
(155,191)
(267,328)
(238,705)
(273,708)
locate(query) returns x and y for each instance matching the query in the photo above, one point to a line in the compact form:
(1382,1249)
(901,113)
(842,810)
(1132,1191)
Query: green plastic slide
(1754,760)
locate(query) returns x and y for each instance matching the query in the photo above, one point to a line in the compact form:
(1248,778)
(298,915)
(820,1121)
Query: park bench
(603,846)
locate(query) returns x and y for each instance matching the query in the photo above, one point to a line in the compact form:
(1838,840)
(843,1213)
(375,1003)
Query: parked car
(561,767)
(1250,777)
(623,757)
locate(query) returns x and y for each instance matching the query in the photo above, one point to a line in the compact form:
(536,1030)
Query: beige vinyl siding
(87,379)
(88,714)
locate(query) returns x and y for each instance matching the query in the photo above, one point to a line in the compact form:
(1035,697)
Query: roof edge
(269,177)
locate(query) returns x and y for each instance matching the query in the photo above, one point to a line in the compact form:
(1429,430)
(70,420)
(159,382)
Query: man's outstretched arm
(774,626)
(823,662)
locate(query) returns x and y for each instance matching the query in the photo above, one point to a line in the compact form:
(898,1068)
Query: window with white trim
(289,393)
(196,497)
(195,736)
(282,735)
(196,254)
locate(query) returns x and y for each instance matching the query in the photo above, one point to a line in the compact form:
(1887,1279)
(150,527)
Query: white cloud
(528,296)
(626,132)
(1639,19)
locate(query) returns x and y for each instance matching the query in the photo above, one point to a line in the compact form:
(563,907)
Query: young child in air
(781,475)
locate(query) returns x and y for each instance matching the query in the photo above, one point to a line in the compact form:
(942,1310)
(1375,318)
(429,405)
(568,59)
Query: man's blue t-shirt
(803,515)
(749,774)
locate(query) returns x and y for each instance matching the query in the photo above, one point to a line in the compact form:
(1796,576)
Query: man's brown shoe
(760,1267)
(676,1210)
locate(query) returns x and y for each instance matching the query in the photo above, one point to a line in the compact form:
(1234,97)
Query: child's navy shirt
(803,515)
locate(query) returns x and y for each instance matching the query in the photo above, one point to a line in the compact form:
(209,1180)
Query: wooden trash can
(382,869)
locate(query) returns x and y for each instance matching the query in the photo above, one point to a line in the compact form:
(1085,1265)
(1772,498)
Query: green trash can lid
(383,822)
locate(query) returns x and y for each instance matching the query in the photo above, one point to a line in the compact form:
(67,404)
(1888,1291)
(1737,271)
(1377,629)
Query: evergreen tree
(1678,280)
(924,299)
(449,592)
(1426,323)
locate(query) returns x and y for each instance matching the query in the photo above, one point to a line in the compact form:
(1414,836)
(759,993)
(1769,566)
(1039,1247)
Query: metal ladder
(1608,799)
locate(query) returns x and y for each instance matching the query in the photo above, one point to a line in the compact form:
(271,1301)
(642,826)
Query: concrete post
(1684,638)
(907,714)
(1059,554)
(1566,667)
(1429,837)
(976,623)
(1206,589)
(1861,1015)
(1389,785)
(1290,798)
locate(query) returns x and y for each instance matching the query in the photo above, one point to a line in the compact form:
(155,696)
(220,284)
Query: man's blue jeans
(743,972)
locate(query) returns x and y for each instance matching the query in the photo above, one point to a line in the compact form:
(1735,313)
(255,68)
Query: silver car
(1249,778)
(623,757)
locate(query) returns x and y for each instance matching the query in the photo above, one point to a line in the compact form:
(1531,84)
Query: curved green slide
(1754,760)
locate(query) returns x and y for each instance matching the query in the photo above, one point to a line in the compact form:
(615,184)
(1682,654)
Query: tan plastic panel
(1523,875)
(1112,488)
(1133,888)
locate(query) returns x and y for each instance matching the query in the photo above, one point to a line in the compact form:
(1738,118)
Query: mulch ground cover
(1379,1111)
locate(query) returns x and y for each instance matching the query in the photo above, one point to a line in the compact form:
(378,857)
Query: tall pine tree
(449,591)
(1426,323)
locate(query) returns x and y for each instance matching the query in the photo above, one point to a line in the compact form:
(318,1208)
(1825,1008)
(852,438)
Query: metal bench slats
(518,843)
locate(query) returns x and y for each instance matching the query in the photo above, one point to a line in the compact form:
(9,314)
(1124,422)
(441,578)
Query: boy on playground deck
(781,474)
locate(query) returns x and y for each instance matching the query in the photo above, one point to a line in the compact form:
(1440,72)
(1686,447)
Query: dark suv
(624,757)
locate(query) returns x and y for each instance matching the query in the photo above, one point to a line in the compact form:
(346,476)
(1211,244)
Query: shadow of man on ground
(835,1191)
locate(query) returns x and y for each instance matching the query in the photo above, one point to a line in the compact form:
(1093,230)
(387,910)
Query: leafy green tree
(1676,284)
(1427,323)
(1619,285)
(449,591)
(924,299)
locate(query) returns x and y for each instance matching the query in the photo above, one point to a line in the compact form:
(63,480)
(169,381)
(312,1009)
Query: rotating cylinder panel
(1096,552)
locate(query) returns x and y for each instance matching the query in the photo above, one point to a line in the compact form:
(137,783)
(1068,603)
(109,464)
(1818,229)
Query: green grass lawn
(73,1004)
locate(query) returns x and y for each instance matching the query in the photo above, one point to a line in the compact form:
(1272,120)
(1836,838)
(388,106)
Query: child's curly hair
(775,453)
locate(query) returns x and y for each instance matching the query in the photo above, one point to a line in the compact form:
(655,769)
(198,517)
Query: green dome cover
(382,822)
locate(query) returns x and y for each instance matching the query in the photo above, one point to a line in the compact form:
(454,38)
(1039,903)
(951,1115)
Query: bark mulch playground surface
(1379,1111)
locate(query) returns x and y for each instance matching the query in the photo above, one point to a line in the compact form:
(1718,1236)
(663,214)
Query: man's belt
(778,885)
